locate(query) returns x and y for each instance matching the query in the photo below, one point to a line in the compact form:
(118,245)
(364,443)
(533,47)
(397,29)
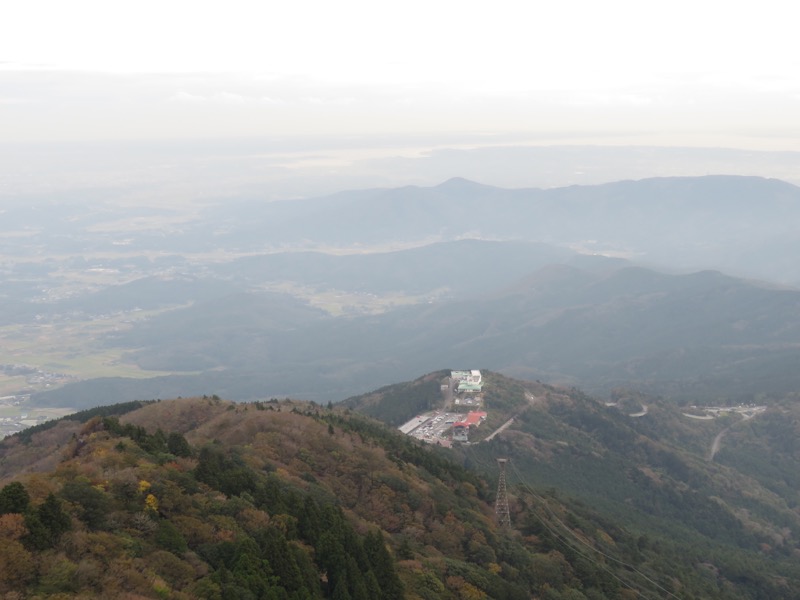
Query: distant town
(462,411)
(15,415)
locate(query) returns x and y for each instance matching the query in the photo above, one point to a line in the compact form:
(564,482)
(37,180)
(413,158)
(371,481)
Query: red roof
(473,418)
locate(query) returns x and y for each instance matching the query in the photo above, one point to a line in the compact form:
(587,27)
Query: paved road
(718,439)
(641,413)
(499,429)
(531,399)
(716,443)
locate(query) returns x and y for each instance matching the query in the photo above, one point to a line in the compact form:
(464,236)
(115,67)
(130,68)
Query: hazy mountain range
(633,290)
(681,335)
(740,225)
(598,286)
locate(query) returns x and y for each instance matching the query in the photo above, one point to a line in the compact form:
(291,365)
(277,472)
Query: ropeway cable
(566,542)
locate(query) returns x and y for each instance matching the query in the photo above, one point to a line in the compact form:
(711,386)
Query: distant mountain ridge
(452,265)
(599,326)
(737,224)
(529,282)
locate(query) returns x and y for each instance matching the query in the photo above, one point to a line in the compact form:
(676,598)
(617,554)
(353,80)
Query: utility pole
(501,504)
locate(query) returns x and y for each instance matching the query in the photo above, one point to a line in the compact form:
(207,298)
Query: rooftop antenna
(501,504)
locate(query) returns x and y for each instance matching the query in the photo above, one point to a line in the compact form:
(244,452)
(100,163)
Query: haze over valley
(431,301)
(679,286)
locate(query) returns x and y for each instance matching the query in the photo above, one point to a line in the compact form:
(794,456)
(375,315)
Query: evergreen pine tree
(38,537)
(177,445)
(45,524)
(53,517)
(382,565)
(14,498)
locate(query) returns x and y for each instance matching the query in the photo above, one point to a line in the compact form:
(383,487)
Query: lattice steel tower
(501,504)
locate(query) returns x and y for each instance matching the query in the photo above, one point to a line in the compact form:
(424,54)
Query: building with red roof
(461,428)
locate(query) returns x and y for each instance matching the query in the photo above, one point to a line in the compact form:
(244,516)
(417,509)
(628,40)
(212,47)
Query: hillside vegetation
(648,474)
(202,498)
(273,500)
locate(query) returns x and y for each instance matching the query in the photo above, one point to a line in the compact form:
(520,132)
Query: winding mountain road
(715,445)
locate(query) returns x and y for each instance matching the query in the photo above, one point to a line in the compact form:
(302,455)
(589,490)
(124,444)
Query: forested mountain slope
(644,464)
(202,498)
(599,325)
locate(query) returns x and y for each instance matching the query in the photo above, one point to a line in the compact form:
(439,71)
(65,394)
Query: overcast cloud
(683,72)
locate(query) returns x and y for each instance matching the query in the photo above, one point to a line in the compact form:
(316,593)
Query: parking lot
(432,426)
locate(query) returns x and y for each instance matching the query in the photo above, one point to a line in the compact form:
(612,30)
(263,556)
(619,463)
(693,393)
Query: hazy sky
(685,72)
